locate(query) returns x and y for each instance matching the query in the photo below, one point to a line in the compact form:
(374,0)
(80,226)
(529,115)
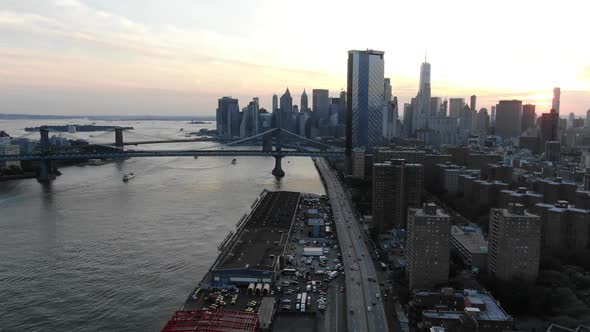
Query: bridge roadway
(360,292)
(172,153)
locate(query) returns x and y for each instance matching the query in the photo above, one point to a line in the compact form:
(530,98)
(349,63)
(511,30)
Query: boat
(181,129)
(128,176)
(234,161)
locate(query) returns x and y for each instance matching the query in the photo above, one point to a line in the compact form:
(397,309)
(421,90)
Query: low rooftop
(264,236)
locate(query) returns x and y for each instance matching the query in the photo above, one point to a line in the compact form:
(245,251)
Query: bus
(289,271)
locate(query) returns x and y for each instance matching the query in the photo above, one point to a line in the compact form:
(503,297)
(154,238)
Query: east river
(89,252)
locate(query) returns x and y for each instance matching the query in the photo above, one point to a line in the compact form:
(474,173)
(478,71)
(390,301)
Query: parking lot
(314,268)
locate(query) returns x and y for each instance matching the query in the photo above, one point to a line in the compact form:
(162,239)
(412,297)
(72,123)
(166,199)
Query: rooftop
(492,311)
(264,236)
(472,241)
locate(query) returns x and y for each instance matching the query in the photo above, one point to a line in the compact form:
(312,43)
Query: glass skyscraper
(365,99)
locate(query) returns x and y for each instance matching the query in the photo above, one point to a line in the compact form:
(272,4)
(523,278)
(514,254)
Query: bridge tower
(119,137)
(278,170)
(45,174)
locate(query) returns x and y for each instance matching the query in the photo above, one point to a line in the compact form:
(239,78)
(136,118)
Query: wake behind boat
(128,176)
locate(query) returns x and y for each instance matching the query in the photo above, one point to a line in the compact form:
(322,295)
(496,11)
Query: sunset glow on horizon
(178,57)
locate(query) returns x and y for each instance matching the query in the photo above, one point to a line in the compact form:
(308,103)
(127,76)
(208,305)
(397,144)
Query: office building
(365,99)
(549,127)
(249,123)
(427,246)
(228,117)
(456,106)
(321,105)
(436,106)
(303,105)
(473,102)
(286,118)
(570,120)
(529,117)
(564,227)
(493,116)
(342,108)
(408,119)
(587,123)
(469,243)
(508,118)
(397,185)
(386,90)
(275,103)
(422,111)
(483,123)
(514,243)
(556,97)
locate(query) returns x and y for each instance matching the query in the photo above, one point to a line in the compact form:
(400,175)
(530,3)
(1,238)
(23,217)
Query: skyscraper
(570,120)
(397,185)
(493,116)
(473,102)
(321,105)
(508,117)
(483,123)
(456,105)
(386,90)
(549,127)
(304,106)
(436,106)
(342,108)
(228,117)
(422,111)
(528,117)
(365,99)
(556,96)
(286,111)
(428,246)
(408,118)
(514,243)
(587,123)
(388,109)
(275,103)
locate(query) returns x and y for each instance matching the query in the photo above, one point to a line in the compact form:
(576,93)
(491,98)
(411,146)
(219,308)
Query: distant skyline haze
(148,57)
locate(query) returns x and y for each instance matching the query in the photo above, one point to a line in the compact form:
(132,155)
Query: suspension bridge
(275,142)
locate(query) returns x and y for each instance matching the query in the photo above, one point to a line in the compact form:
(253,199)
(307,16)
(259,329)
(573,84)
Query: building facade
(365,99)
(508,118)
(514,243)
(427,246)
(397,185)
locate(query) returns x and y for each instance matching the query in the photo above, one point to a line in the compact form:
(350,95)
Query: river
(88,252)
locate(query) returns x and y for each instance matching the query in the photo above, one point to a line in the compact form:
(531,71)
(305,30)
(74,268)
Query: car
(369,309)
(374,302)
(358,283)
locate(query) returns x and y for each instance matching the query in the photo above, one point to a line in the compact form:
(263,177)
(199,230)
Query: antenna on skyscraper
(425,55)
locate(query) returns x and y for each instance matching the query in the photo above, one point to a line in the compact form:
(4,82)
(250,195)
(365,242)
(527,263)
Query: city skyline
(106,57)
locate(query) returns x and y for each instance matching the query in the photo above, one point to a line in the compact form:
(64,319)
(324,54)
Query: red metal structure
(212,321)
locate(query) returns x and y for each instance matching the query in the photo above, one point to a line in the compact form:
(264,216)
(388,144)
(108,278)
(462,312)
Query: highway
(364,301)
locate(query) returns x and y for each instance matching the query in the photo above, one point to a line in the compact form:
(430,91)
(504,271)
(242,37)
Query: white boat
(128,176)
(234,161)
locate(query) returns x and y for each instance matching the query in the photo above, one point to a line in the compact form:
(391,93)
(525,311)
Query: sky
(177,57)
